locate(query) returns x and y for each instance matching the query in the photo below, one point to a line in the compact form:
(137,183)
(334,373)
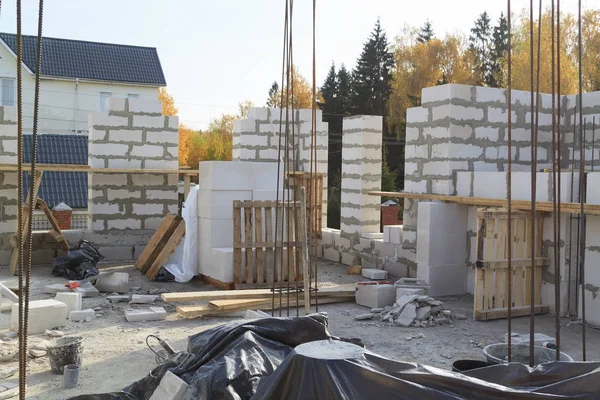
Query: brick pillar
(389,215)
(361,173)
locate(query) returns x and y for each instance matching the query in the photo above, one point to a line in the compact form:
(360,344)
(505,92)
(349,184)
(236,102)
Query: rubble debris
(143,298)
(54,333)
(34,353)
(417,311)
(377,309)
(83,315)
(8,390)
(9,335)
(115,298)
(419,336)
(363,317)
(9,294)
(7,373)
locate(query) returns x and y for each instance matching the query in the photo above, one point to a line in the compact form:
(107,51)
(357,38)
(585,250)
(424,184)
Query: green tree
(273,101)
(388,178)
(479,44)
(329,91)
(425,33)
(344,90)
(372,75)
(498,53)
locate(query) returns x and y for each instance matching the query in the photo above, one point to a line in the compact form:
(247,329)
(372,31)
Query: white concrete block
(417,115)
(226,175)
(162,137)
(125,135)
(171,388)
(72,300)
(410,292)
(371,236)
(173,122)
(460,131)
(145,121)
(395,233)
(82,315)
(488,95)
(109,149)
(222,268)
(268,194)
(128,223)
(118,163)
(445,280)
(261,113)
(265,175)
(489,133)
(375,295)
(219,203)
(97,119)
(148,209)
(149,314)
(114,282)
(43,314)
(143,298)
(147,151)
(145,105)
(374,273)
(161,164)
(215,232)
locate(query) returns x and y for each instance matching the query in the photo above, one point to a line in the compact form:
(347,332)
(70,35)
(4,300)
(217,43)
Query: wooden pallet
(254,240)
(314,204)
(491,296)
(161,245)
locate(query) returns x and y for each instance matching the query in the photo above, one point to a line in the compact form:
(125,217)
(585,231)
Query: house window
(103,97)
(8,91)
(133,96)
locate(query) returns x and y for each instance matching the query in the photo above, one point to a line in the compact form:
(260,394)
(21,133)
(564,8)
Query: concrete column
(361,172)
(8,181)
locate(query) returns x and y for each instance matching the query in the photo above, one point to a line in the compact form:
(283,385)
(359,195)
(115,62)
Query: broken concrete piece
(460,317)
(9,294)
(43,314)
(372,273)
(423,313)
(54,333)
(171,388)
(442,321)
(71,299)
(37,353)
(86,289)
(362,317)
(402,301)
(377,309)
(143,298)
(149,314)
(256,314)
(407,316)
(114,282)
(117,298)
(82,315)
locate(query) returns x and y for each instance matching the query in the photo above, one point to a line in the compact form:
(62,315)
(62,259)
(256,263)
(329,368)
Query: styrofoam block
(149,314)
(374,273)
(72,300)
(43,314)
(219,203)
(171,387)
(82,315)
(225,175)
(265,175)
(375,296)
(115,282)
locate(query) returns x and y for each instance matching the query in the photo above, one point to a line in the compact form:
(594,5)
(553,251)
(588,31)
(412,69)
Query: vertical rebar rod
(554,195)
(292,254)
(576,264)
(313,181)
(593,139)
(509,186)
(581,187)
(558,178)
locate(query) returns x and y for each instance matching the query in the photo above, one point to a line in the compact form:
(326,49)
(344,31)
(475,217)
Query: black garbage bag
(79,263)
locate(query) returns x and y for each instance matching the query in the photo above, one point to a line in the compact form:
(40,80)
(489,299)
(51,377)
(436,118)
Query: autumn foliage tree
(302,91)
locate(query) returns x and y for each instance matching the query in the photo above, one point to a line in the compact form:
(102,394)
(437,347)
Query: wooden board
(239,304)
(87,168)
(164,239)
(515,312)
(167,250)
(154,240)
(330,291)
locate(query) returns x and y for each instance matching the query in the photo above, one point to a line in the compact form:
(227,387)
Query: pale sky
(217,53)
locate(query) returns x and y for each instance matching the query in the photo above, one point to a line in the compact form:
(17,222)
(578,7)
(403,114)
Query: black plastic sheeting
(255,359)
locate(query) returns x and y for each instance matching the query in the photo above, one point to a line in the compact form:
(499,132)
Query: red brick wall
(63,218)
(389,215)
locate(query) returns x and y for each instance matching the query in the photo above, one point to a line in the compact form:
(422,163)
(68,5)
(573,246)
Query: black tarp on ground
(255,360)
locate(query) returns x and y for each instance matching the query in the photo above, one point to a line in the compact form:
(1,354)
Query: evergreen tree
(479,44)
(426,33)
(372,75)
(273,100)
(499,52)
(344,91)
(329,90)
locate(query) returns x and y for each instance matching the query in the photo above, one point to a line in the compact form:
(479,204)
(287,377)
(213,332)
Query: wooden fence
(314,203)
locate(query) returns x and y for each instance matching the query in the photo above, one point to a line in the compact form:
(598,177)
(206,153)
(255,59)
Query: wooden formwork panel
(492,274)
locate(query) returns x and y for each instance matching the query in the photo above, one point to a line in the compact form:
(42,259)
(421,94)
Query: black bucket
(467,365)
(65,351)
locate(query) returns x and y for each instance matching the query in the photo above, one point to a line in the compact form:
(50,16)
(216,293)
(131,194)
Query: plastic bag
(183,263)
(79,263)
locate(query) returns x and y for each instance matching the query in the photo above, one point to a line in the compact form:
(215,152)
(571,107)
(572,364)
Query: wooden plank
(503,312)
(258,235)
(500,295)
(269,203)
(304,236)
(527,270)
(538,285)
(516,262)
(87,168)
(186,187)
(490,247)
(237,237)
(518,270)
(480,272)
(167,250)
(248,220)
(547,206)
(270,266)
(154,240)
(239,304)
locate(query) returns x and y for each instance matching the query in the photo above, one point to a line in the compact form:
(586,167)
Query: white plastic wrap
(183,263)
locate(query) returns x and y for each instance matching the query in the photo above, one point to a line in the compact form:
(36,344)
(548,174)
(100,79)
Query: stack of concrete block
(8,181)
(221,183)
(256,139)
(132,134)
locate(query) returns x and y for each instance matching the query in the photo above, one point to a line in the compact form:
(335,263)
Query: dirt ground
(116,354)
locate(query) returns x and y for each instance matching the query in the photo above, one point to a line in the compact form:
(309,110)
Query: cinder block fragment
(143,298)
(82,315)
(72,300)
(375,295)
(115,282)
(374,273)
(43,314)
(149,314)
(171,388)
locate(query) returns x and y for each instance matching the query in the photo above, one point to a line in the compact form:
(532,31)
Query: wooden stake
(305,269)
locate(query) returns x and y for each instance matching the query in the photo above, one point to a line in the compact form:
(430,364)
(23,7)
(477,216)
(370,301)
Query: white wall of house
(64,103)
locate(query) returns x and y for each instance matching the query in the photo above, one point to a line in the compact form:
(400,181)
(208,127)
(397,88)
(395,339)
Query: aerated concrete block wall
(8,180)
(126,208)
(592,254)
(256,139)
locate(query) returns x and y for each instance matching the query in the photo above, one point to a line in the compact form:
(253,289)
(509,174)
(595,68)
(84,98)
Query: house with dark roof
(76,78)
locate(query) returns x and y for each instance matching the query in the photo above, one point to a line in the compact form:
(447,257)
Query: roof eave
(67,78)
(7,47)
